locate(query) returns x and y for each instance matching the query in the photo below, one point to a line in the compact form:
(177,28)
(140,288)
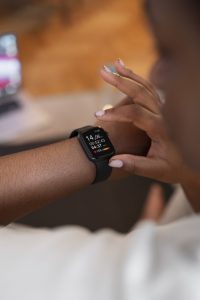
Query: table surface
(65,113)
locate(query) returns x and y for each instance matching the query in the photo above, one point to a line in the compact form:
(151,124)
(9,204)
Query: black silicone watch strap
(80,130)
(103,170)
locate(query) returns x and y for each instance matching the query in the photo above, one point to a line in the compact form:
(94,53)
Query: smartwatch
(97,147)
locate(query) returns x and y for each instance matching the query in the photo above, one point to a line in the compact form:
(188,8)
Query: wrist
(98,149)
(126,138)
(111,133)
(84,166)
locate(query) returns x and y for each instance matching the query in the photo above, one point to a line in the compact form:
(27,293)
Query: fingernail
(116,163)
(110,69)
(120,61)
(100,113)
(107,69)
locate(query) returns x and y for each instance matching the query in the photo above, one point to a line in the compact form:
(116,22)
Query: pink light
(4,83)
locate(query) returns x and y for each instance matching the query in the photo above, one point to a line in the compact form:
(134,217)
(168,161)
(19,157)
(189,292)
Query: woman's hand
(142,108)
(125,136)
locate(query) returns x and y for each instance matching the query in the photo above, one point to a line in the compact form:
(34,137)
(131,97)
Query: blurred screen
(10,67)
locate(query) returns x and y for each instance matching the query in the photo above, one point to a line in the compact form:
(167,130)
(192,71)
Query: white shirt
(153,262)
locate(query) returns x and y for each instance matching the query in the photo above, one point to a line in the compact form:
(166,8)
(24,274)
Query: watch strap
(103,170)
(80,130)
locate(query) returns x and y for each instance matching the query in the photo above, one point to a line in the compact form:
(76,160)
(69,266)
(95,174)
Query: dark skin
(177,72)
(32,179)
(174,153)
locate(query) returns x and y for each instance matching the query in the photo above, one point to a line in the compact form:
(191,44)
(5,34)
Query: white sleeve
(150,263)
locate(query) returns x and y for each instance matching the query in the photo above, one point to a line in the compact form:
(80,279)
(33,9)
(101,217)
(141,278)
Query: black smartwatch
(98,148)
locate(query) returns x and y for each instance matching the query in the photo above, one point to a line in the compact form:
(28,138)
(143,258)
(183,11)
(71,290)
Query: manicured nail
(120,61)
(116,163)
(107,69)
(110,69)
(100,113)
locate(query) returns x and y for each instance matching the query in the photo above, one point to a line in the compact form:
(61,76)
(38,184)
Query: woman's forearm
(32,179)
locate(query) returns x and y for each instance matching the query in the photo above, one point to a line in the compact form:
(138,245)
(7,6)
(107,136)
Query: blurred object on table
(17,113)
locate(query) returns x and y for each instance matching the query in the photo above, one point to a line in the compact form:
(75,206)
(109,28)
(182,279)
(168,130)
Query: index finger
(128,73)
(138,93)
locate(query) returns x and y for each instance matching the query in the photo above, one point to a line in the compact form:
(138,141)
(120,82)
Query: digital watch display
(98,143)
(98,148)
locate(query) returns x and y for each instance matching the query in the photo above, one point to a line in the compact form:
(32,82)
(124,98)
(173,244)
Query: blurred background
(62,46)
(64,43)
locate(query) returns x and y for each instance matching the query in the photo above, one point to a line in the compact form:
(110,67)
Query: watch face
(98,143)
